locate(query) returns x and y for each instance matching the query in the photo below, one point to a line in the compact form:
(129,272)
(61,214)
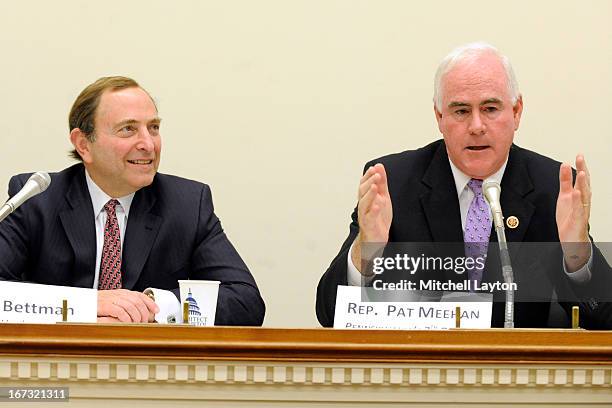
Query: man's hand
(573,212)
(122,305)
(374,210)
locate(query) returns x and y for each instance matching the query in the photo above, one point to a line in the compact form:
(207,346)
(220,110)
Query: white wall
(278,104)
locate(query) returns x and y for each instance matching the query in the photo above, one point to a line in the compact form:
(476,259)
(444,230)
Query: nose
(477,126)
(145,141)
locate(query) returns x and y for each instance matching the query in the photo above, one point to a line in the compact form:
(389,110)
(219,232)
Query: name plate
(353,313)
(33,303)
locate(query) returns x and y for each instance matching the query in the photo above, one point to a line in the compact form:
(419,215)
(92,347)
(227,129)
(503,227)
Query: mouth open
(477,148)
(140,162)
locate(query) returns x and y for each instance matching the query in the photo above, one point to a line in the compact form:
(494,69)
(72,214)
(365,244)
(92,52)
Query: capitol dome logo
(195,316)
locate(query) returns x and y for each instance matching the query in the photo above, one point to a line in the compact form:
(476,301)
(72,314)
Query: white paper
(34,303)
(353,313)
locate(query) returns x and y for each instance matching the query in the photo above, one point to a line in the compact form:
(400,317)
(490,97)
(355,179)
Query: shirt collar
(99,198)
(462,179)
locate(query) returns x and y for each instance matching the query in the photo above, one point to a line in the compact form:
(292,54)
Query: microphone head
(42,179)
(492,192)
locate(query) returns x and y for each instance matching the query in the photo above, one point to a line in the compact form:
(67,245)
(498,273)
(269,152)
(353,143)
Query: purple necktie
(477,229)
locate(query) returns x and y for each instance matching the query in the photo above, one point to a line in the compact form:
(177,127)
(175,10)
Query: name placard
(34,303)
(353,313)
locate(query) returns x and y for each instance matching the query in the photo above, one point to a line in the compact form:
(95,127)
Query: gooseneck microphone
(36,184)
(492,192)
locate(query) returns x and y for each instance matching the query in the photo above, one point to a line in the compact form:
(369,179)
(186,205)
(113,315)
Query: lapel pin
(512,222)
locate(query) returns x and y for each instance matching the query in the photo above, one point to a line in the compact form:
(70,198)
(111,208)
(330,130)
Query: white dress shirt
(169,306)
(465,196)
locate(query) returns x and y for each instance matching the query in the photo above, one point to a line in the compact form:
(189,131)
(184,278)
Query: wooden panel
(324,345)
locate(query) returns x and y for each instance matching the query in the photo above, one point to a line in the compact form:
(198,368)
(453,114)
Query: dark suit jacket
(172,233)
(426,209)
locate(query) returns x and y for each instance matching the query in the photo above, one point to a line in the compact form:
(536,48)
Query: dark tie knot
(110,206)
(475,185)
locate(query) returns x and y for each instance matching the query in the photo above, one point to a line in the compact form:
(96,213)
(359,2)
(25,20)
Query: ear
(517,111)
(81,144)
(438,117)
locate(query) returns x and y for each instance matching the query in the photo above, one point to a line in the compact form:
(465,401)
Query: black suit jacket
(172,233)
(426,209)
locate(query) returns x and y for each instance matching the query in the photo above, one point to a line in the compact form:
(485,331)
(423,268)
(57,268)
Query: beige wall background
(278,104)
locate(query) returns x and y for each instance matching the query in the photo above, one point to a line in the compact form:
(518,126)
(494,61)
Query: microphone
(492,193)
(36,184)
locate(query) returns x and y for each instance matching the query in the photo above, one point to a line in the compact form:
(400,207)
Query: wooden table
(183,366)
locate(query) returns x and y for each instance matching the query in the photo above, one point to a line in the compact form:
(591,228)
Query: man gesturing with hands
(425,195)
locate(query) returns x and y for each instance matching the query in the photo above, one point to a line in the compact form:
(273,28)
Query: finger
(365,204)
(375,169)
(144,305)
(383,184)
(116,311)
(365,186)
(583,186)
(585,195)
(106,305)
(565,178)
(379,177)
(139,304)
(582,166)
(125,304)
(151,307)
(367,174)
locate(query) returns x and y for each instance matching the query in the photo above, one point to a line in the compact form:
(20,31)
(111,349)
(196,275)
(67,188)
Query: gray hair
(468,51)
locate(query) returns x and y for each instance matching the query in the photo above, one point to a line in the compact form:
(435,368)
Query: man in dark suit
(112,222)
(426,195)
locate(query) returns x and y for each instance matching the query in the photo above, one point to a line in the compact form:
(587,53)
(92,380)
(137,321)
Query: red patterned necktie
(110,266)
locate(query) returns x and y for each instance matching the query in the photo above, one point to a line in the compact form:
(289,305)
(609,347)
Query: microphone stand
(507,272)
(492,192)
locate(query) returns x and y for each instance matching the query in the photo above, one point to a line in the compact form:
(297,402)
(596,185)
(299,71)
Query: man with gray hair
(434,194)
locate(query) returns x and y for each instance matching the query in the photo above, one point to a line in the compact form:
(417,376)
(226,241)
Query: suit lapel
(78,223)
(140,233)
(439,200)
(515,186)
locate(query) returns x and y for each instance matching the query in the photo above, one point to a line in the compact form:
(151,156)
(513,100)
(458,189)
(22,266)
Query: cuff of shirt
(353,276)
(169,307)
(582,275)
